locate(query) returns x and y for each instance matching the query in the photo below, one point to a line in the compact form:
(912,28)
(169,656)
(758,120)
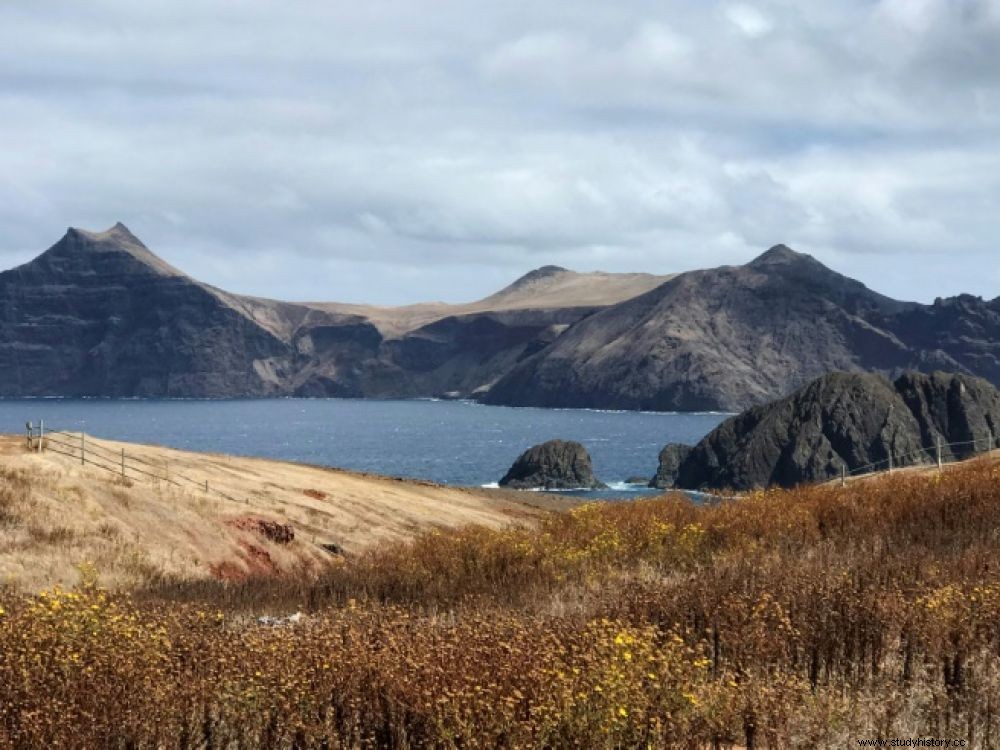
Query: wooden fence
(933,455)
(89,451)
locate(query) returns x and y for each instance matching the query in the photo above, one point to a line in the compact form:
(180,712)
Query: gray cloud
(394,152)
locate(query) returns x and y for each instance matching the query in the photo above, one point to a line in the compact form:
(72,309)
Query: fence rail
(88,449)
(939,454)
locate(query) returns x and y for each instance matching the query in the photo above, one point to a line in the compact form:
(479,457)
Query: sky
(394,152)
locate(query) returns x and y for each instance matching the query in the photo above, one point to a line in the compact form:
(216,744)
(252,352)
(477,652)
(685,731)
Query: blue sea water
(452,442)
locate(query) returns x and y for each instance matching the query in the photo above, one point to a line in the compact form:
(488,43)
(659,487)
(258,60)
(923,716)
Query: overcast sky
(436,149)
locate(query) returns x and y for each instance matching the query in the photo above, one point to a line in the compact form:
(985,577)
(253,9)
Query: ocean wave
(627,487)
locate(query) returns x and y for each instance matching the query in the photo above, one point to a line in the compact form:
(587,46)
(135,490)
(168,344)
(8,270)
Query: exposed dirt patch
(257,563)
(315,494)
(258,560)
(279,533)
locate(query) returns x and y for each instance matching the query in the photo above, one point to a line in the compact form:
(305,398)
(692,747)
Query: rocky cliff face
(99,315)
(671,458)
(842,421)
(555,465)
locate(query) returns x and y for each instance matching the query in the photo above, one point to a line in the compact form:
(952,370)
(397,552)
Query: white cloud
(749,20)
(284,150)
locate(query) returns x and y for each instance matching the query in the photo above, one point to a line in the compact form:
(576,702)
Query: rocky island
(554,465)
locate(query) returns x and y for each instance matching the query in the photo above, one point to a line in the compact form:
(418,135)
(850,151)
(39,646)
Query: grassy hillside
(805,618)
(258,516)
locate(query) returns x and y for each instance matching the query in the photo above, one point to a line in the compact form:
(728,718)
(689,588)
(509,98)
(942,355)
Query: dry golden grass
(808,618)
(55,513)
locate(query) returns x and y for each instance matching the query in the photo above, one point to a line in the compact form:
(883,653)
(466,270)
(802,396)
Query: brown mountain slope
(549,287)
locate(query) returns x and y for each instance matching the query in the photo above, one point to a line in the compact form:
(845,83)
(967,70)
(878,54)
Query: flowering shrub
(801,618)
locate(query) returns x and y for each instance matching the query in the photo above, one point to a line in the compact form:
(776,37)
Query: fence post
(206,486)
(30,428)
(41,433)
(83,449)
(939,452)
(890,461)
(843,475)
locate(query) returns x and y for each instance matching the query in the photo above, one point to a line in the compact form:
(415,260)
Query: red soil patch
(258,564)
(314,494)
(274,531)
(258,560)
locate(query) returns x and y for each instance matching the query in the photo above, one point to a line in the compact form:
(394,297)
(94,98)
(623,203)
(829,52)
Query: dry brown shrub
(805,618)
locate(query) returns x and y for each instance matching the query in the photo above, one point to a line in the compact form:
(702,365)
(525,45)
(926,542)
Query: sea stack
(671,458)
(554,465)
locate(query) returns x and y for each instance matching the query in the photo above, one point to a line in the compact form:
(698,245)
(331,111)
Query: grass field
(55,513)
(805,618)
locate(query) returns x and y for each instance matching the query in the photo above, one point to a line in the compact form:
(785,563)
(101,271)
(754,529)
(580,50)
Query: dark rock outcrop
(671,458)
(960,412)
(554,465)
(840,422)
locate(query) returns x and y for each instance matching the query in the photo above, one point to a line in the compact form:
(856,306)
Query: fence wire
(88,450)
(938,454)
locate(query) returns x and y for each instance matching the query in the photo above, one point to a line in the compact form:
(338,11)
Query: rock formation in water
(840,422)
(671,458)
(554,465)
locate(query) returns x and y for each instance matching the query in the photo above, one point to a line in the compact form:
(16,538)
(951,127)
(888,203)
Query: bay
(451,442)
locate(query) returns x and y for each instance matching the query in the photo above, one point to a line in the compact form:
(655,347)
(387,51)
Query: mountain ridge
(99,314)
(731,337)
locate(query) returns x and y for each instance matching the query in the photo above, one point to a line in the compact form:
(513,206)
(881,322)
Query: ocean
(451,442)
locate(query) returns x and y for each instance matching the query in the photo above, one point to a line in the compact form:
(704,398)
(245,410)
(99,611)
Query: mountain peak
(532,279)
(116,240)
(542,272)
(118,232)
(778,255)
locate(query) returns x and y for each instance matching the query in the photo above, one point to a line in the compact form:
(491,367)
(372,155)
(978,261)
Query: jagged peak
(116,239)
(118,232)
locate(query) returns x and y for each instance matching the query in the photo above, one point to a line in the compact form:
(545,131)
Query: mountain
(840,422)
(98,314)
(548,287)
(731,337)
